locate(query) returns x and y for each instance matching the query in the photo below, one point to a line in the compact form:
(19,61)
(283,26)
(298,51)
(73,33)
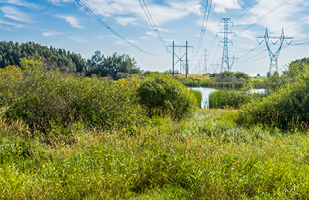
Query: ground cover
(205,157)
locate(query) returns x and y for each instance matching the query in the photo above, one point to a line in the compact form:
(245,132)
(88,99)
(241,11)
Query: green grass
(205,157)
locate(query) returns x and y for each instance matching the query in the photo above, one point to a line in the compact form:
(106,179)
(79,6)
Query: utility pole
(274,56)
(225,64)
(205,61)
(180,58)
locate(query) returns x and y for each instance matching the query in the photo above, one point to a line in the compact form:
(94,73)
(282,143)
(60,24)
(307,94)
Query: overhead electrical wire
(252,24)
(302,21)
(151,22)
(110,29)
(204,25)
(247,10)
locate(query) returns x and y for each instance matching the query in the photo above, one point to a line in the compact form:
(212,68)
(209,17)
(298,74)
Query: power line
(302,21)
(109,28)
(265,15)
(247,10)
(204,25)
(151,22)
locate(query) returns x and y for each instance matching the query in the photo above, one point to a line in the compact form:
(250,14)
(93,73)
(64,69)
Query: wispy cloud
(77,38)
(58,2)
(49,33)
(275,16)
(122,42)
(71,19)
(170,11)
(220,6)
(12,24)
(15,14)
(21,3)
(125,20)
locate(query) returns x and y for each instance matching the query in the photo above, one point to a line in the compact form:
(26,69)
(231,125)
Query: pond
(206,91)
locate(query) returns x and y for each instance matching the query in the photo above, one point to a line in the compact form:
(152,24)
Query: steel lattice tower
(274,56)
(205,71)
(225,64)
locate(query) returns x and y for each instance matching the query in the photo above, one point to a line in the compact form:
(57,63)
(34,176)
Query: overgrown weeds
(207,156)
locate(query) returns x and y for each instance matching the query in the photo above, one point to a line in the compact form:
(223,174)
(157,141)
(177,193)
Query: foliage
(232,77)
(52,98)
(66,61)
(160,92)
(10,78)
(198,96)
(111,65)
(286,106)
(224,98)
(204,157)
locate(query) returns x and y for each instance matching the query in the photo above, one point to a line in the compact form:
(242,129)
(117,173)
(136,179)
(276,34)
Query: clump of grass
(223,98)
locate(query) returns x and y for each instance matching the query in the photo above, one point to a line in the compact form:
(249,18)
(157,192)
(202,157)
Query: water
(206,91)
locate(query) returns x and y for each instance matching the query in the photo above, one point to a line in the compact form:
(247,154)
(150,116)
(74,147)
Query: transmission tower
(180,58)
(205,55)
(274,56)
(225,64)
(215,67)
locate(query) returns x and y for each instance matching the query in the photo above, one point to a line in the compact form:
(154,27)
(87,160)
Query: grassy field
(205,157)
(196,76)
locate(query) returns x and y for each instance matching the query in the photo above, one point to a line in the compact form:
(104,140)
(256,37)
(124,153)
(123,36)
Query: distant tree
(111,65)
(66,61)
(176,71)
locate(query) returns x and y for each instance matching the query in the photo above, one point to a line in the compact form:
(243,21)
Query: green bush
(52,98)
(198,97)
(287,104)
(223,98)
(161,94)
(285,108)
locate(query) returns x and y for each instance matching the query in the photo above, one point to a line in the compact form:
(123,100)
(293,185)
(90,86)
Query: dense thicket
(117,66)
(45,98)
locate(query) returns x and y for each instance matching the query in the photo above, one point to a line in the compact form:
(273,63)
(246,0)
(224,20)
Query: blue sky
(64,24)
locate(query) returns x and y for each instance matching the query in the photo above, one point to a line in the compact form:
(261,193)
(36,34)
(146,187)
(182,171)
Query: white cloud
(77,38)
(125,20)
(15,14)
(12,24)
(21,3)
(58,2)
(275,16)
(71,19)
(220,6)
(51,33)
(122,42)
(171,10)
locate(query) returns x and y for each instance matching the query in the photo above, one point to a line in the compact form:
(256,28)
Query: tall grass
(223,98)
(206,157)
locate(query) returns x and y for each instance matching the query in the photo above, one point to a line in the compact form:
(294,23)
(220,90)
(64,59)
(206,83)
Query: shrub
(160,92)
(52,98)
(223,98)
(198,96)
(284,108)
(10,78)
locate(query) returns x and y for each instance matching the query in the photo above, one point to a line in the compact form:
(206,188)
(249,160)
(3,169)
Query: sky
(65,24)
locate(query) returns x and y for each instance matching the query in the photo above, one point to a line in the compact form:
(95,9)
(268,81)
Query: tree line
(115,65)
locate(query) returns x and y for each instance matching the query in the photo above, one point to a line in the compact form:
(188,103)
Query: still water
(206,91)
